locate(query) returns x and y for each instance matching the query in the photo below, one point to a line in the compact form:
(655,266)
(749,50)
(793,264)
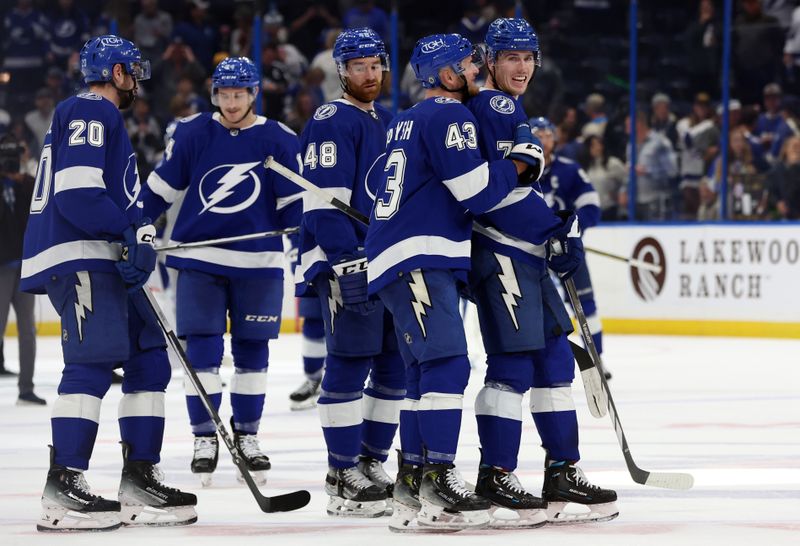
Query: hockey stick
(667,480)
(633,262)
(318,192)
(278,503)
(234,239)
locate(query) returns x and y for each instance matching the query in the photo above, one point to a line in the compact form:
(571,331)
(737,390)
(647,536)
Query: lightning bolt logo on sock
(334,301)
(421,298)
(83,292)
(220,183)
(511,291)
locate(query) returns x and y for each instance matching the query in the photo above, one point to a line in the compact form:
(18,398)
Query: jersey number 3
(389,201)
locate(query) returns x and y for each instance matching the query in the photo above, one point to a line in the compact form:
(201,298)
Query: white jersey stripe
(588,198)
(68,252)
(230,258)
(469,184)
(421,245)
(312,202)
(499,237)
(516,195)
(160,187)
(283,202)
(75,178)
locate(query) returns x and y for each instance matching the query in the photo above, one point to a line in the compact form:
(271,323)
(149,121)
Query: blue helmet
(541,124)
(234,72)
(512,34)
(358,43)
(99,55)
(437,51)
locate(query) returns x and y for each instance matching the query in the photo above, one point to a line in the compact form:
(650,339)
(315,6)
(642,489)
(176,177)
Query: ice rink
(725,410)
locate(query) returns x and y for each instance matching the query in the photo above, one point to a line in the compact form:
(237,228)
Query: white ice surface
(726,410)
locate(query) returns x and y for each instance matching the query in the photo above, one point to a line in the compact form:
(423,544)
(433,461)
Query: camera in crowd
(11,151)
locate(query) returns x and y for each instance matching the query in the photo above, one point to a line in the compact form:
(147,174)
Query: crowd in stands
(582,86)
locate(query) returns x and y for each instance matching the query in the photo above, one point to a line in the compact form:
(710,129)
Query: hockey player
(215,162)
(418,245)
(523,321)
(89,248)
(340,143)
(566,187)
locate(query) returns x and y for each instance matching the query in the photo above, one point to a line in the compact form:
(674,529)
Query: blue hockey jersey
(521,224)
(429,183)
(566,186)
(219,173)
(86,193)
(340,144)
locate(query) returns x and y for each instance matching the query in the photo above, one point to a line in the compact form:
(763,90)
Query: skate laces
(454,480)
(204,447)
(309,387)
(355,478)
(248,444)
(80,483)
(373,469)
(580,479)
(510,480)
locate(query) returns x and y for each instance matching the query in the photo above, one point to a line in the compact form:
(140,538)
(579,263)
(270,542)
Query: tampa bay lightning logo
(229,188)
(324,112)
(502,105)
(131,183)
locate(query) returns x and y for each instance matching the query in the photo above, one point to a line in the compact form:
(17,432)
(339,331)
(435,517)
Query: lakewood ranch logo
(648,283)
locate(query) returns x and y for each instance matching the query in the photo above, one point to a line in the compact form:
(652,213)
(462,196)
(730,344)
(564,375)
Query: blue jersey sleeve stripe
(282,202)
(469,184)
(516,195)
(587,199)
(231,258)
(161,187)
(75,178)
(312,202)
(65,252)
(416,246)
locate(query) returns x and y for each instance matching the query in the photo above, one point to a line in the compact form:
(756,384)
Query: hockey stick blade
(279,503)
(591,381)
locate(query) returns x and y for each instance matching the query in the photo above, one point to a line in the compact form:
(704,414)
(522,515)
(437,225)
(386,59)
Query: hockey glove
(527,149)
(351,272)
(138,255)
(565,250)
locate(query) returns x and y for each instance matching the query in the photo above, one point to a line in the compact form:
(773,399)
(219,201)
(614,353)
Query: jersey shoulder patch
(325,111)
(502,104)
(446,100)
(87,95)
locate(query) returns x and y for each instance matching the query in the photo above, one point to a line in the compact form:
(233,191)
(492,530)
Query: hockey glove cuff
(527,149)
(351,272)
(138,255)
(565,251)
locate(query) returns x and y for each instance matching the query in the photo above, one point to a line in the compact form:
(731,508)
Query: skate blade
(152,516)
(404,520)
(346,508)
(501,517)
(59,519)
(567,513)
(259,476)
(433,516)
(304,405)
(206,478)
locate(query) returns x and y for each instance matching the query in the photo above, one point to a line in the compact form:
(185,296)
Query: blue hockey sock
(383,398)
(554,414)
(249,383)
(312,347)
(442,383)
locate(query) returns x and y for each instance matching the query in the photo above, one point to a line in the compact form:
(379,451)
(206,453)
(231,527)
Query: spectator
(791,55)
(275,83)
(324,63)
(38,120)
(606,173)
(656,167)
(757,52)
(302,110)
(595,110)
(365,14)
(25,42)
(698,144)
(771,128)
(308,20)
(56,83)
(145,134)
(200,35)
(663,120)
(747,122)
(703,39)
(567,140)
(152,29)
(473,24)
(178,61)
(784,181)
(69,30)
(16,190)
(740,174)
(241,37)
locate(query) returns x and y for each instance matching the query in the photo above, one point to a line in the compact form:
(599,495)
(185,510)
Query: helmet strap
(126,96)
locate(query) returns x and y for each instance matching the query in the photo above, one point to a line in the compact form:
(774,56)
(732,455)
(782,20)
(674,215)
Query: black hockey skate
(373,469)
(446,503)
(255,460)
(507,495)
(147,501)
(352,494)
(69,505)
(565,483)
(204,460)
(305,397)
